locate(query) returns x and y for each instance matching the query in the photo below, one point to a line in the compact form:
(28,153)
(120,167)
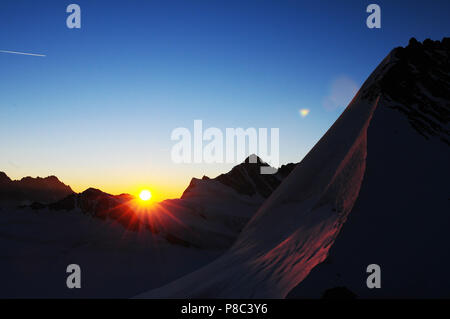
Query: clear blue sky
(98,110)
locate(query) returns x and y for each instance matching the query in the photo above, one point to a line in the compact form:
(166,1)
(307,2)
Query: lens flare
(304,112)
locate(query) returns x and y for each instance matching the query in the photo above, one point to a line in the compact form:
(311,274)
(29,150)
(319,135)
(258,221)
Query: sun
(145,195)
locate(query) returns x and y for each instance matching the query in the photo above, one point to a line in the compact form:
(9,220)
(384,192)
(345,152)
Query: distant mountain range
(28,190)
(108,235)
(210,213)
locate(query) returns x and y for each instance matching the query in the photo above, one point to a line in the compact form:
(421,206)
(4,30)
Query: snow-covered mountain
(212,212)
(246,178)
(373,190)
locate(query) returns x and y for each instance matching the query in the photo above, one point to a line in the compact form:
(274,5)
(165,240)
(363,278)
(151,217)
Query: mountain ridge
(246,179)
(32,189)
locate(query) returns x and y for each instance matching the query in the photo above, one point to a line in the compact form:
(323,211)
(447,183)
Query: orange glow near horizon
(159,192)
(164,182)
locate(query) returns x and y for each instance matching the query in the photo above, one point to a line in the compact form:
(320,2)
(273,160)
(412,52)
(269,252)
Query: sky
(99,108)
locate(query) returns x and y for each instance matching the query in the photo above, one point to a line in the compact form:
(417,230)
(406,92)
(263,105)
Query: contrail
(22,53)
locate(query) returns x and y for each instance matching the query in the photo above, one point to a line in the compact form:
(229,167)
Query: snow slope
(384,166)
(37,246)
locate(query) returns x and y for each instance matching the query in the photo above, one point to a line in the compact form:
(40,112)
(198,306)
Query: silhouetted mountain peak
(246,178)
(254,159)
(91,191)
(4,178)
(32,189)
(413,42)
(43,182)
(52,178)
